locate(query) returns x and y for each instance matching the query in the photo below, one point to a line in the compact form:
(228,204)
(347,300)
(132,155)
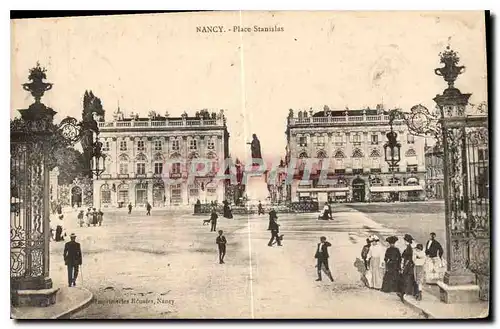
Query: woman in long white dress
(376,258)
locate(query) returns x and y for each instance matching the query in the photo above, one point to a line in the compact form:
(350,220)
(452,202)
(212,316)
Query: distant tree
(92,105)
(71,164)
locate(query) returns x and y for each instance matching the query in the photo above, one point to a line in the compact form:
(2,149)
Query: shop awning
(382,189)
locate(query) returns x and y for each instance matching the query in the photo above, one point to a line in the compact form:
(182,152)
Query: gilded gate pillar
(30,196)
(459,283)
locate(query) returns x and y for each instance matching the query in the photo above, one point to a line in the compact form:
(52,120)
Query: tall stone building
(352,143)
(151,159)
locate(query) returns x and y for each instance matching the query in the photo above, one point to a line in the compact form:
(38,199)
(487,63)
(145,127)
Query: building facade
(434,177)
(351,142)
(151,159)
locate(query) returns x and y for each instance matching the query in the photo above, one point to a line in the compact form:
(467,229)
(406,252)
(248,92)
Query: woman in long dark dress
(392,260)
(408,273)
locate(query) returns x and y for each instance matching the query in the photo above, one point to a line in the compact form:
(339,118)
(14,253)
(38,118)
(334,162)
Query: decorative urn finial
(37,87)
(451,70)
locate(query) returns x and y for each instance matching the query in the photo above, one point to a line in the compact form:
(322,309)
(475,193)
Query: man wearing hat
(72,258)
(322,258)
(434,252)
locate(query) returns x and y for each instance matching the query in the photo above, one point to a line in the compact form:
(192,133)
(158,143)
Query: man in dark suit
(213,220)
(72,259)
(322,258)
(274,227)
(221,243)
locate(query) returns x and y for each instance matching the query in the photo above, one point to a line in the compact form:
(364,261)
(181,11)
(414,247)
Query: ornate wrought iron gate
(468,197)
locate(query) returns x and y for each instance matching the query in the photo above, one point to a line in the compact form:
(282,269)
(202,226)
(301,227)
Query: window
(141,168)
(338,140)
(175,145)
(356,163)
(123,145)
(410,139)
(123,168)
(158,145)
(105,146)
(339,164)
(356,139)
(411,168)
(176,168)
(211,144)
(211,190)
(483,155)
(192,144)
(303,141)
(374,139)
(158,168)
(375,163)
(320,141)
(140,145)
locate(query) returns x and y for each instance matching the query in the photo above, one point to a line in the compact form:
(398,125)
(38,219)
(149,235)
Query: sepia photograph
(250,165)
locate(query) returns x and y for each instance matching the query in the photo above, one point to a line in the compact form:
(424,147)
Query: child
(221,242)
(419,261)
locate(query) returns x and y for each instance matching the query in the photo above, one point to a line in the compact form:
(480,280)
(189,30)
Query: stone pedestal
(256,188)
(34,298)
(458,288)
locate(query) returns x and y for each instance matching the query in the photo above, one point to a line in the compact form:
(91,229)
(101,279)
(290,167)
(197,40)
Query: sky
(160,62)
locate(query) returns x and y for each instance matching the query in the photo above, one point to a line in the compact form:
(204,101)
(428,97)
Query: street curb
(67,314)
(418,309)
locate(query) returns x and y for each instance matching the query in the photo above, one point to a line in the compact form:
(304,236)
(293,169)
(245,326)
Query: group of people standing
(389,270)
(92,217)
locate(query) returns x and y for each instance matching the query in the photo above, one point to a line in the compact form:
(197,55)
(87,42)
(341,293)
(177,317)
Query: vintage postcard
(250,165)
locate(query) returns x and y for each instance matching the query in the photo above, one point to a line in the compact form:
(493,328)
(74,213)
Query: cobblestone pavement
(165,266)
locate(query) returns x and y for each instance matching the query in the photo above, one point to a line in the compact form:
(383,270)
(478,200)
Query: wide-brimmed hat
(392,239)
(72,235)
(408,238)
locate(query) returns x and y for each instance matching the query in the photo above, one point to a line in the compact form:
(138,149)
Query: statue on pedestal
(255,147)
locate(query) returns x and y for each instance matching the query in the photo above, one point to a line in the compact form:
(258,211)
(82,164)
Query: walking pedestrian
(419,261)
(392,259)
(434,265)
(322,258)
(213,220)
(129,208)
(260,209)
(72,258)
(274,227)
(221,243)
(376,257)
(408,271)
(148,209)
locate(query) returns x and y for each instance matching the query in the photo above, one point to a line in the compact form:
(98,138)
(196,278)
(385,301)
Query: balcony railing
(163,123)
(342,119)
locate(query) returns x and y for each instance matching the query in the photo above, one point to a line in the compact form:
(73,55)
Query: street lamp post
(392,148)
(97,166)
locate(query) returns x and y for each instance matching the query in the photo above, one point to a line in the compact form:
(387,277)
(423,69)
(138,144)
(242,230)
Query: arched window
(141,157)
(123,193)
(105,194)
(123,162)
(302,163)
(357,153)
